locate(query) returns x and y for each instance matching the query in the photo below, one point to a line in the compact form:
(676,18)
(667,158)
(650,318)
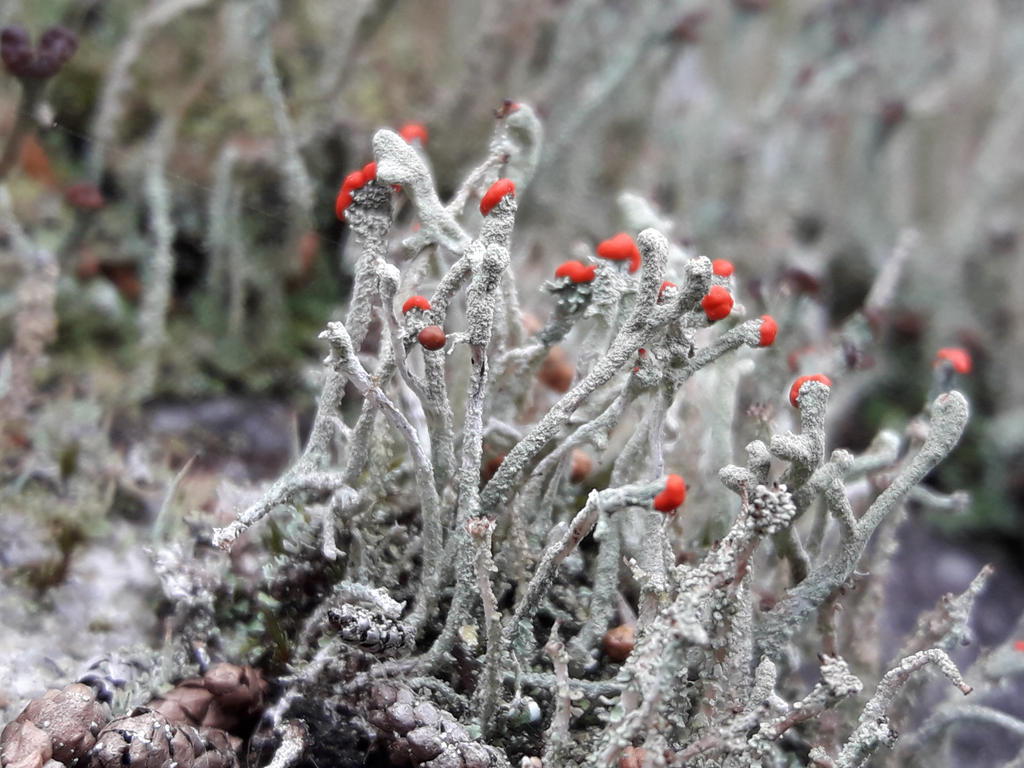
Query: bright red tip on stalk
(619,248)
(768,330)
(496,194)
(673,495)
(432,337)
(419,302)
(414,132)
(722,267)
(343,201)
(352,182)
(665,284)
(958,357)
(717,304)
(794,391)
(576,271)
(1018,645)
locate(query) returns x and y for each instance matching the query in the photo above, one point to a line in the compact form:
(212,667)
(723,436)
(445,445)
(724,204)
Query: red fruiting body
(432,337)
(576,271)
(722,267)
(717,304)
(620,248)
(414,132)
(355,180)
(958,357)
(673,495)
(496,194)
(1018,645)
(768,330)
(794,391)
(415,301)
(664,285)
(343,201)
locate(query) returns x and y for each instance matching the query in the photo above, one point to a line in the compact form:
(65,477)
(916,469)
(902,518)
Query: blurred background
(822,146)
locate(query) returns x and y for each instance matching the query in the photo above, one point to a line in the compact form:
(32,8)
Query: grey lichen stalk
(490,567)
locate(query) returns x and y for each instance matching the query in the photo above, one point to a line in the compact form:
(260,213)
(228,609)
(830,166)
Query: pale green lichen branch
(873,729)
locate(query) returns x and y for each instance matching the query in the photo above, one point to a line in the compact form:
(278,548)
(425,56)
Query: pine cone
(146,739)
(227,697)
(23,745)
(417,733)
(68,719)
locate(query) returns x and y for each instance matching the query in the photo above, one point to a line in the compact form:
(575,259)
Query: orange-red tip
(794,391)
(722,267)
(620,248)
(717,304)
(352,182)
(673,495)
(576,271)
(497,192)
(418,302)
(414,132)
(958,357)
(768,330)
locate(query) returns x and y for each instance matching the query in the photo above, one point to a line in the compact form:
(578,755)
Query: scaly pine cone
(61,725)
(417,733)
(146,739)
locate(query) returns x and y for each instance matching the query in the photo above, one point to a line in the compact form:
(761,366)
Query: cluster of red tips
(498,191)
(620,248)
(717,304)
(673,495)
(576,271)
(722,267)
(664,285)
(958,357)
(768,330)
(432,337)
(419,302)
(794,391)
(355,180)
(414,132)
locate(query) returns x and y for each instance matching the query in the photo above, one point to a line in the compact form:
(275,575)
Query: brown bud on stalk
(556,371)
(619,641)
